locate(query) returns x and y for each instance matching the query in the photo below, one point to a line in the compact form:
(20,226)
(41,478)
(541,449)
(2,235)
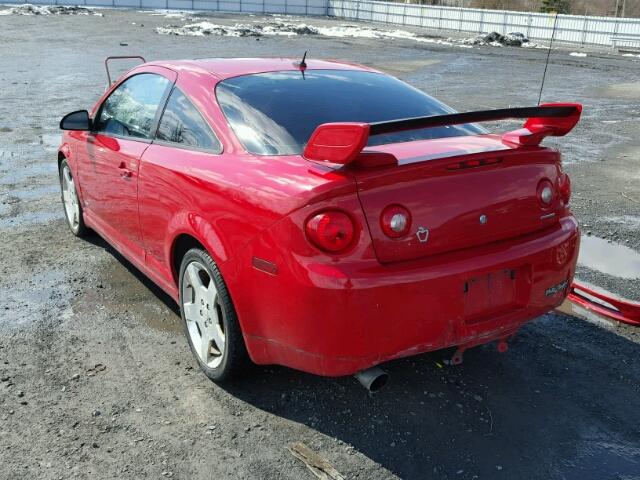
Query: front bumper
(336,319)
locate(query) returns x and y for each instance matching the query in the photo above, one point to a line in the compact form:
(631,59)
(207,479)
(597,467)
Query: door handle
(126,173)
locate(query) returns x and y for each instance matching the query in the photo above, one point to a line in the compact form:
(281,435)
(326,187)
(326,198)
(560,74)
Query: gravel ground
(97,380)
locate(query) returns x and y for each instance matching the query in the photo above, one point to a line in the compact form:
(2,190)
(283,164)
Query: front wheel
(209,318)
(71,202)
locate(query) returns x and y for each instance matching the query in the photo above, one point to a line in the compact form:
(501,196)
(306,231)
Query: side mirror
(76,121)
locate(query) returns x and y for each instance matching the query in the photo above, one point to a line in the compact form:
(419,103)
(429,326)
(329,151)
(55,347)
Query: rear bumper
(338,319)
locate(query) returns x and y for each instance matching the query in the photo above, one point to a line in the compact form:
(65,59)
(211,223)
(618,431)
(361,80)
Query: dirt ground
(97,380)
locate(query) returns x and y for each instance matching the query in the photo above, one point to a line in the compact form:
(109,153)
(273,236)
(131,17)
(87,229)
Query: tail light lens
(565,188)
(546,193)
(395,221)
(331,231)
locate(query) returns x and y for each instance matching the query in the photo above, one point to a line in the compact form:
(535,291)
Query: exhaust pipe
(373,379)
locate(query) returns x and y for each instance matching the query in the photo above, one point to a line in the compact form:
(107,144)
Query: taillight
(331,231)
(545,193)
(395,221)
(565,188)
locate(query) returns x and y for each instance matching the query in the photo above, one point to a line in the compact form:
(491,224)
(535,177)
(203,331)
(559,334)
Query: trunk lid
(461,205)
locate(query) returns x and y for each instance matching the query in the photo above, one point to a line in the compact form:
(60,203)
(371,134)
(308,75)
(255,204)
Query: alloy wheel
(203,314)
(70,199)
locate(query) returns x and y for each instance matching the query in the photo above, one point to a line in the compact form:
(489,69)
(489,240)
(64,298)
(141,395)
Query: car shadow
(558,404)
(166,299)
(561,403)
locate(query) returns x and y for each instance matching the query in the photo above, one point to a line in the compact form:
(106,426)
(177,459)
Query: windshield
(276,113)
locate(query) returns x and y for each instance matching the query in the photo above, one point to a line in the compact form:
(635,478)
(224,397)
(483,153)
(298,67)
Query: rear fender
(196,226)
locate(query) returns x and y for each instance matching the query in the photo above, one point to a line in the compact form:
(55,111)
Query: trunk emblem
(423,234)
(483,219)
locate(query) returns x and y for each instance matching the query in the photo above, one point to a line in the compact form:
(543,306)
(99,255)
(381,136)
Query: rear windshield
(276,113)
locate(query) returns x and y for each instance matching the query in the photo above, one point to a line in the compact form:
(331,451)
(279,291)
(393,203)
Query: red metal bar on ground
(623,310)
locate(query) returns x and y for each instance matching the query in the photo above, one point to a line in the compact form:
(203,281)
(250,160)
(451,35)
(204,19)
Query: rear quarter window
(182,124)
(276,113)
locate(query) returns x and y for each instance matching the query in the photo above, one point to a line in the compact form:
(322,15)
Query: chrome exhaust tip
(373,379)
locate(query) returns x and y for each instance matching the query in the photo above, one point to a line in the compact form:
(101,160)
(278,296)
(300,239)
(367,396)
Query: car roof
(233,67)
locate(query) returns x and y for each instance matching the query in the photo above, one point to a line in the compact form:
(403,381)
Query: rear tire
(70,201)
(209,318)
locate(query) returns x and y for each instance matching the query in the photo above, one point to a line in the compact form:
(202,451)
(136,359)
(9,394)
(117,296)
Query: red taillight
(331,231)
(565,188)
(395,221)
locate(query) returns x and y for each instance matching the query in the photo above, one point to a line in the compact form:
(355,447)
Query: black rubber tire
(81,230)
(235,357)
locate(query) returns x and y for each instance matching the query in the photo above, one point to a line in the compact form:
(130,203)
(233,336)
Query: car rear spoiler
(342,143)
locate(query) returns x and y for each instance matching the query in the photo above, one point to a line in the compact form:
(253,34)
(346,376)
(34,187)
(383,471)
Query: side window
(182,123)
(131,108)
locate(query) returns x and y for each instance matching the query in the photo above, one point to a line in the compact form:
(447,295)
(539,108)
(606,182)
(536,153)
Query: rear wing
(341,143)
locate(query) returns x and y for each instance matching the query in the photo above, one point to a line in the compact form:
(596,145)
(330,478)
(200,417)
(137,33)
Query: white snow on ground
(630,55)
(535,45)
(279,27)
(28,9)
(179,14)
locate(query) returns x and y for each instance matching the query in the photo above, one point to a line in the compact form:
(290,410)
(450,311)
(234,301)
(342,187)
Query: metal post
(584,30)
(480,29)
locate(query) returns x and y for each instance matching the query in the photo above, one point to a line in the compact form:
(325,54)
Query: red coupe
(322,215)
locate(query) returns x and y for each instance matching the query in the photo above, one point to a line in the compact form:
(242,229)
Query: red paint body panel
(380,299)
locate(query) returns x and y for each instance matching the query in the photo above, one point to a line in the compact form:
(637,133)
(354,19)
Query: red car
(322,215)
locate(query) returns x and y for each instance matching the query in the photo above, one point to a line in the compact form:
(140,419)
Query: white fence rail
(582,30)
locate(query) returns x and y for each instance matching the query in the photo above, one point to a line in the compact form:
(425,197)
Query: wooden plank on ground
(319,466)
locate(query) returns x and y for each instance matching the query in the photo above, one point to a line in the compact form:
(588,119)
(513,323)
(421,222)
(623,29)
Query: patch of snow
(179,14)
(630,55)
(29,9)
(534,45)
(578,54)
(495,39)
(281,28)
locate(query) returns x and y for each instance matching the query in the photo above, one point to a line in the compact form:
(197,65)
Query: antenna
(546,65)
(303,64)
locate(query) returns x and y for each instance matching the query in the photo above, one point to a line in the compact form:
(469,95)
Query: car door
(184,143)
(123,127)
